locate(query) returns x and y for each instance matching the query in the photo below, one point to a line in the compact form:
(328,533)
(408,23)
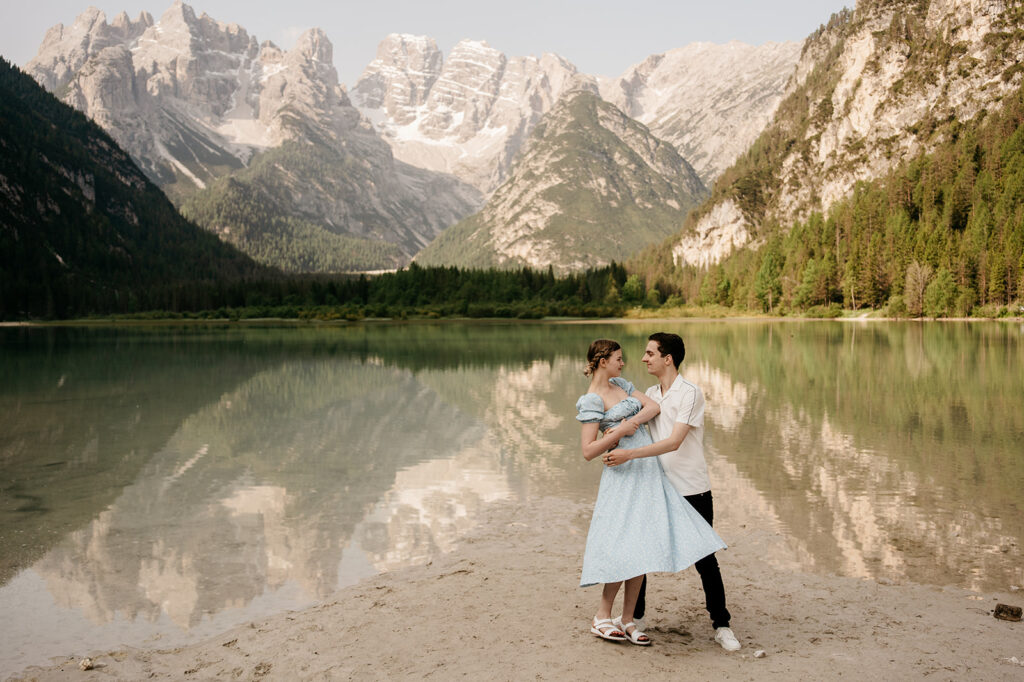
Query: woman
(640,523)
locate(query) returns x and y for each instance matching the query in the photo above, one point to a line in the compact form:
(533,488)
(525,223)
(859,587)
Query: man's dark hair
(670,344)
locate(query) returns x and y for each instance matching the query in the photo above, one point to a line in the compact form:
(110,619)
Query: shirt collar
(676,384)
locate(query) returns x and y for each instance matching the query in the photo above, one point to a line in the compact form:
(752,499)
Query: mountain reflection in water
(171,483)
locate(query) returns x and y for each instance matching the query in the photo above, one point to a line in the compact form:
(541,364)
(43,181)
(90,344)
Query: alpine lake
(164,483)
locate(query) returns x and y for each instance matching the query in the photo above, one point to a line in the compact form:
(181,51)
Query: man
(678,433)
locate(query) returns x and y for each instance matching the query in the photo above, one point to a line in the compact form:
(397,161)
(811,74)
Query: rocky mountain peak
(590,185)
(66,48)
(194,99)
(400,77)
(314,45)
(710,100)
(121,21)
(632,82)
(90,23)
(466,115)
(180,28)
(477,55)
(178,13)
(405,44)
(186,85)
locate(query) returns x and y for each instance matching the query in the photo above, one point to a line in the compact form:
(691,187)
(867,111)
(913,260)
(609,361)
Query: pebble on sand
(1007,612)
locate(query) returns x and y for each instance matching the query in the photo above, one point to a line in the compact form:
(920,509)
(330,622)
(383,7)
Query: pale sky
(601,37)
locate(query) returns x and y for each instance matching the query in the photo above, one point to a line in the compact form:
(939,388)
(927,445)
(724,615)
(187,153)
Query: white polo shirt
(685,467)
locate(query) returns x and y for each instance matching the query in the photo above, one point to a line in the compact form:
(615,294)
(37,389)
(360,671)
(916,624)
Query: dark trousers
(707,568)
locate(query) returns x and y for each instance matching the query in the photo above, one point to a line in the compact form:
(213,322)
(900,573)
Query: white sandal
(605,628)
(635,636)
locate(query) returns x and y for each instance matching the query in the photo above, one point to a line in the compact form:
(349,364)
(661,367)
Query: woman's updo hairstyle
(600,349)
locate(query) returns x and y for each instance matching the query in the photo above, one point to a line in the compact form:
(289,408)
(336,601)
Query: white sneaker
(727,639)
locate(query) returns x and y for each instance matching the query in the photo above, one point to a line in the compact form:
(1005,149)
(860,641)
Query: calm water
(163,484)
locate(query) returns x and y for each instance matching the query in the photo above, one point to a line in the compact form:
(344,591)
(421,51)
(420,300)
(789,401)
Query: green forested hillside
(244,212)
(81,228)
(314,205)
(941,235)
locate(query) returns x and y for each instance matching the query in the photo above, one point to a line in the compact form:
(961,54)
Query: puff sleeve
(589,408)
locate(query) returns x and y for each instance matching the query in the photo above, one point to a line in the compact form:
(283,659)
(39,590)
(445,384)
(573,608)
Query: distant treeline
(414,291)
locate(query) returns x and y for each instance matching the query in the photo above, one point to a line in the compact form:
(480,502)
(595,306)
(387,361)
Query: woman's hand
(616,457)
(626,427)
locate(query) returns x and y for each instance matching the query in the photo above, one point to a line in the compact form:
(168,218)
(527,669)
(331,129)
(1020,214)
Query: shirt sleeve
(691,406)
(624,384)
(589,408)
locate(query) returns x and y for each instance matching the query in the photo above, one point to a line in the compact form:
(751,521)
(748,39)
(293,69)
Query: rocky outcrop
(706,246)
(866,95)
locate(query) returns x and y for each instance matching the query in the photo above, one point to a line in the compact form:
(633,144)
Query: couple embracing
(654,510)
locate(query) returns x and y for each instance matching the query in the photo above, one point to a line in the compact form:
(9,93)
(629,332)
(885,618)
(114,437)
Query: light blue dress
(640,523)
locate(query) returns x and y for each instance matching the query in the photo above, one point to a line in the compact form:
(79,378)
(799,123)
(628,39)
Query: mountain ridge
(466,115)
(709,100)
(869,90)
(195,99)
(590,187)
(82,229)
(407,91)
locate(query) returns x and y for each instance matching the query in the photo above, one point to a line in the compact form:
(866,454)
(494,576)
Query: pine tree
(768,282)
(940,294)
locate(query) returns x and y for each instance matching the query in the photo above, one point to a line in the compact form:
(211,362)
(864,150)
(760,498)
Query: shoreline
(386,321)
(505,604)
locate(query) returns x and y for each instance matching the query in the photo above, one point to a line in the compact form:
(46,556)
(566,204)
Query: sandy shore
(506,605)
